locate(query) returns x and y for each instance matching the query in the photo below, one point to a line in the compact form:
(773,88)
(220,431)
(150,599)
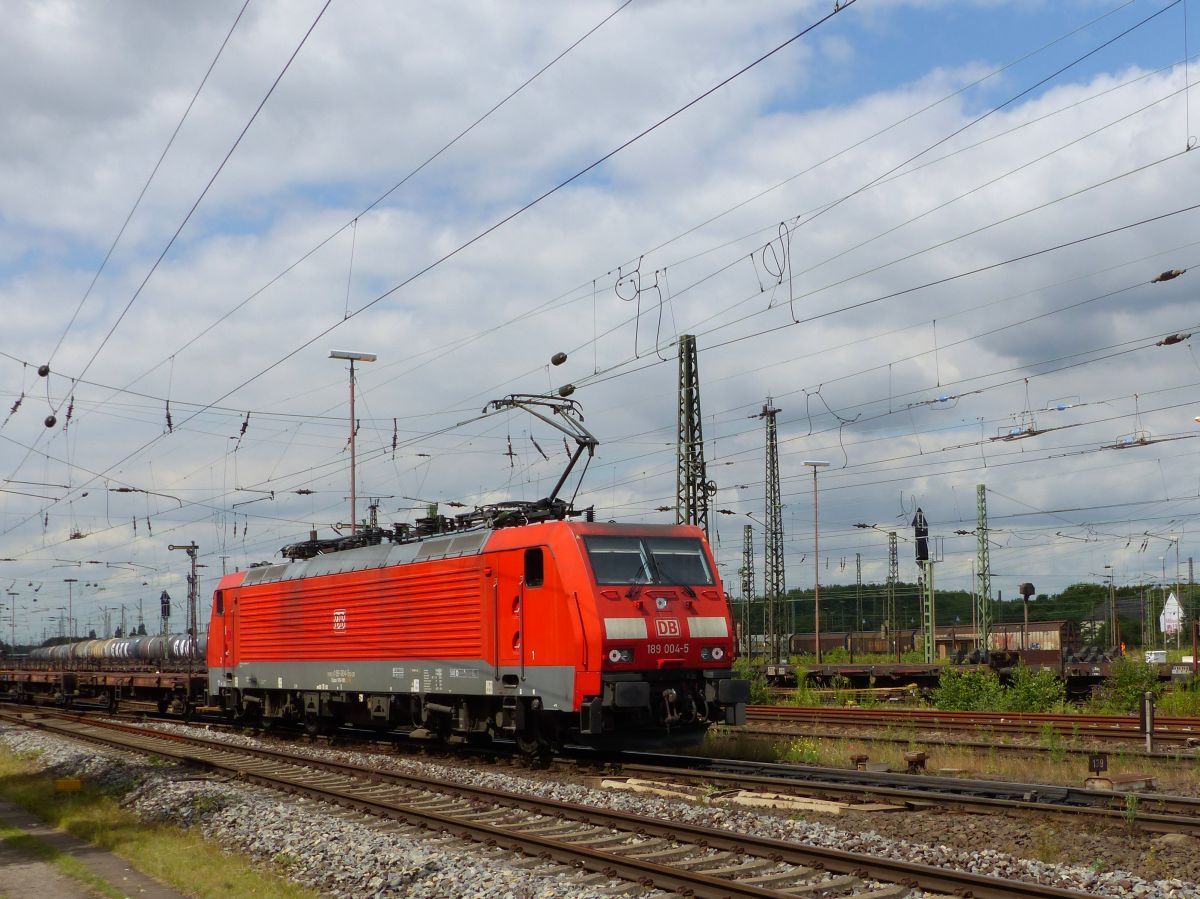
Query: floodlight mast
(814,465)
(352,358)
(568,420)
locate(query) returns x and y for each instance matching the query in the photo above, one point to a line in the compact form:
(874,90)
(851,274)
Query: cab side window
(535,567)
(220,605)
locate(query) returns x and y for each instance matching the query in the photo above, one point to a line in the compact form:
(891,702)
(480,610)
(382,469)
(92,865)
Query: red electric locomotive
(518,622)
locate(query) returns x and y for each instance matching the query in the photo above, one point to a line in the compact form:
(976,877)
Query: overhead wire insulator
(1173,339)
(1170,275)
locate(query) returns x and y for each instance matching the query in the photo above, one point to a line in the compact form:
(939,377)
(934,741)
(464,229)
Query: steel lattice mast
(747,573)
(893,577)
(691,478)
(858,606)
(773,574)
(925,562)
(983,597)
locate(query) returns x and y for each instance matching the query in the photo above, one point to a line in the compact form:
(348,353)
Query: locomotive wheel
(247,714)
(534,746)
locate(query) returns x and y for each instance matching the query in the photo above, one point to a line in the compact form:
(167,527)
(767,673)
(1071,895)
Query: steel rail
(1169,757)
(232,760)
(1182,813)
(1165,727)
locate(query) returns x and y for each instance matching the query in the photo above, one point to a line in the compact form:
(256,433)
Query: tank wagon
(546,632)
(168,648)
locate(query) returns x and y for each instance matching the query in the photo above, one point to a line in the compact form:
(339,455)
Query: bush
(1129,682)
(1035,691)
(981,691)
(1183,699)
(804,695)
(760,693)
(968,691)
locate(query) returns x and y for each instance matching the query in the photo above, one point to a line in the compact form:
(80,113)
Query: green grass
(1181,699)
(182,859)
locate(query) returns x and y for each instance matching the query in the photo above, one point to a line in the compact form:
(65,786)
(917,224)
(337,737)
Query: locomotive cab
(667,640)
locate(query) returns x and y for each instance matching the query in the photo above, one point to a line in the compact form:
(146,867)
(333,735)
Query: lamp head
(353,357)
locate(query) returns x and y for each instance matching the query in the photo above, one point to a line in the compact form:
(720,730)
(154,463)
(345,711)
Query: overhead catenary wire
(387,193)
(939,317)
(509,217)
(146,186)
(567,296)
(171,241)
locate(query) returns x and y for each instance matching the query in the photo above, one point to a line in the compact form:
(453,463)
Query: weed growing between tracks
(801,751)
(182,859)
(1048,846)
(1052,740)
(1184,700)
(1132,801)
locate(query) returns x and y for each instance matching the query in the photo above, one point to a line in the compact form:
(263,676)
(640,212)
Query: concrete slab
(27,877)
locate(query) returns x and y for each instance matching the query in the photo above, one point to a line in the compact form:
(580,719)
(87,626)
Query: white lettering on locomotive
(667,649)
(339,619)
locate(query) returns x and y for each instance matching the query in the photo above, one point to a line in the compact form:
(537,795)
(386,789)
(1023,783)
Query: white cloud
(378,88)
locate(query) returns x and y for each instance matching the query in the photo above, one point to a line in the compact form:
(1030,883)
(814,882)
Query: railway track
(1183,756)
(674,856)
(1153,812)
(1167,730)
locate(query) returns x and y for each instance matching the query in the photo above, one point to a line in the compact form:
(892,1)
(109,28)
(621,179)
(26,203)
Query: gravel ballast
(347,854)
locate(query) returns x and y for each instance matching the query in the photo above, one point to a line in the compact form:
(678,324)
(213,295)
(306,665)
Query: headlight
(706,653)
(718,653)
(712,653)
(620,655)
(614,655)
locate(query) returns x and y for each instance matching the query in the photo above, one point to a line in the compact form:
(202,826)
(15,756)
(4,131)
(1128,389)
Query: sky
(928,230)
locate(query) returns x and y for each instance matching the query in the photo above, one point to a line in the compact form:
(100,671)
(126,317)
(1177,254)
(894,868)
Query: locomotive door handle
(496,629)
(521,623)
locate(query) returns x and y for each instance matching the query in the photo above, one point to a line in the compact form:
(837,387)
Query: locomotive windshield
(648,560)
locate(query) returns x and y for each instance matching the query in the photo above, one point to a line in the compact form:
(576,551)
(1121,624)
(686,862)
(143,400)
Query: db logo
(339,619)
(667,627)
